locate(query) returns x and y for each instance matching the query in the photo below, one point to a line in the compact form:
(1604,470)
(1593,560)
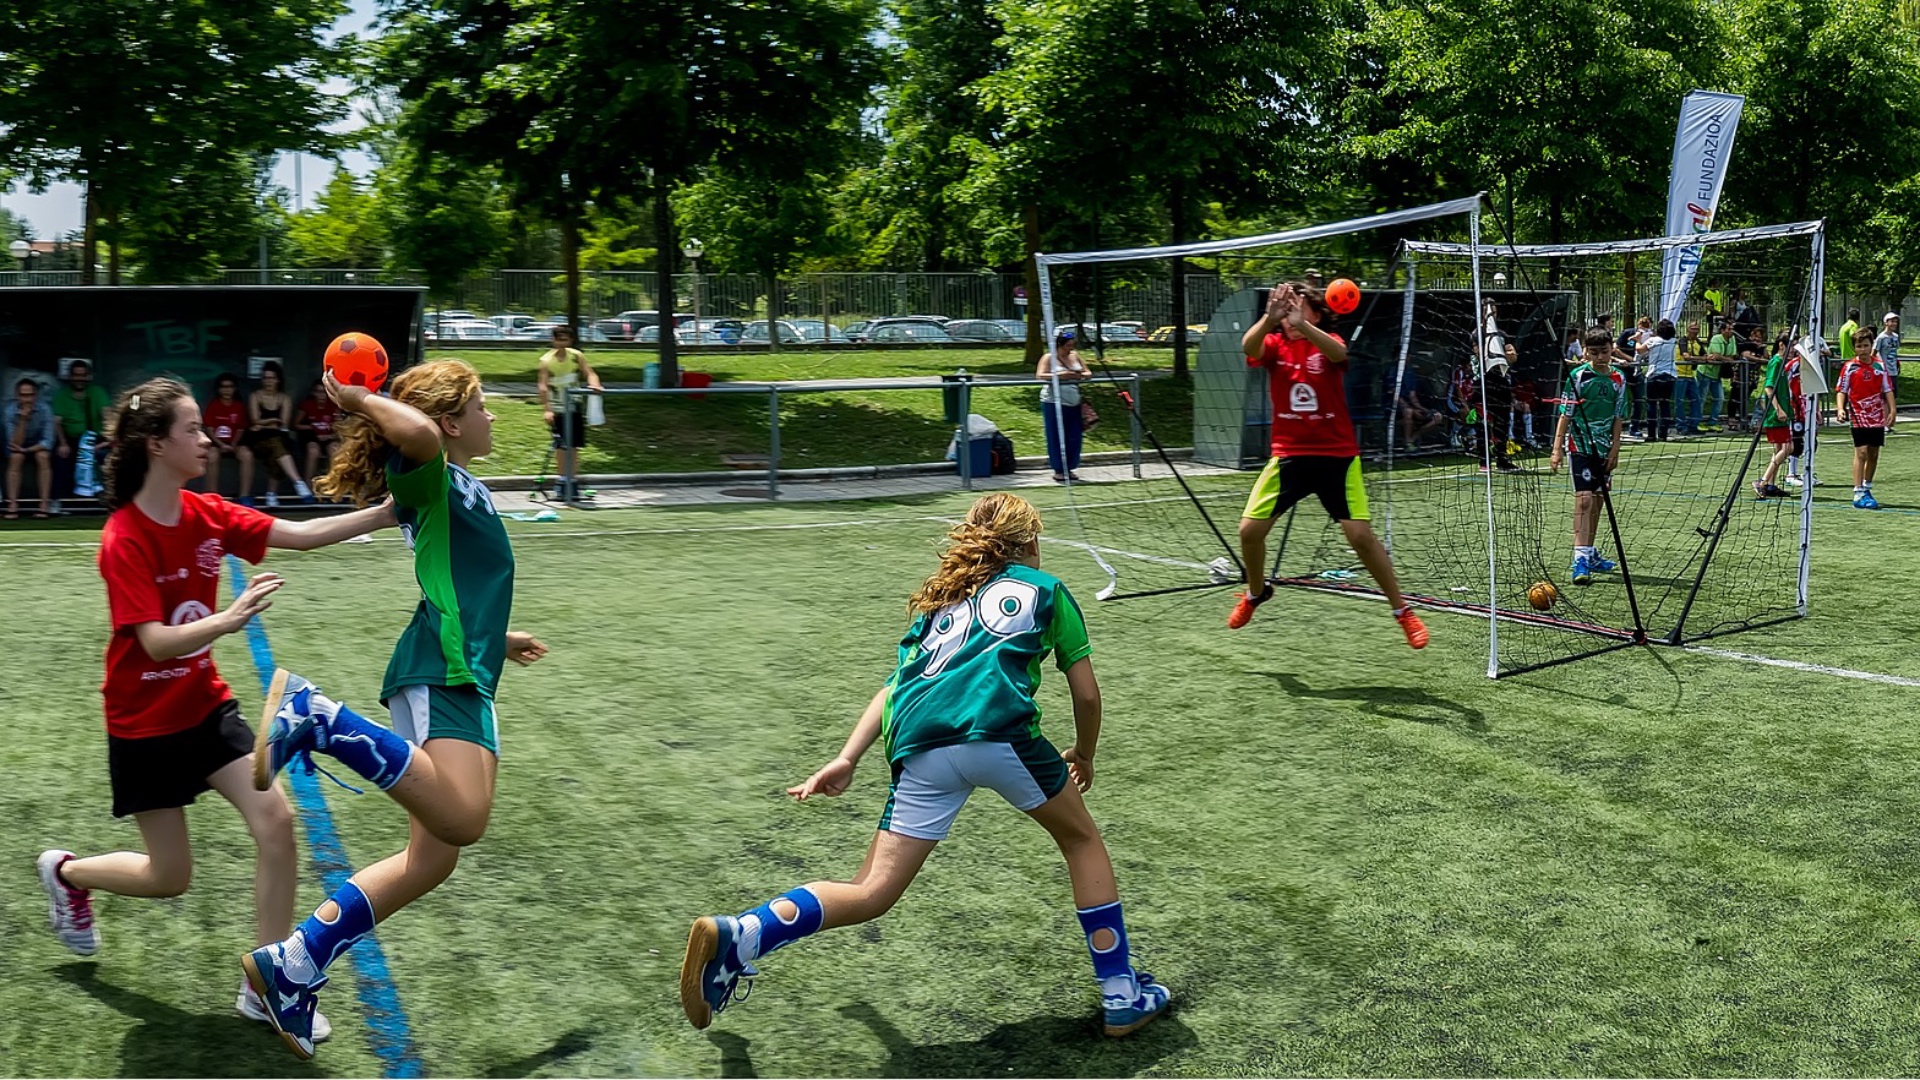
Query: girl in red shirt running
(173,730)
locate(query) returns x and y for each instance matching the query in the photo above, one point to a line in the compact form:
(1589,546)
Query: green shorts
(1286,481)
(444,712)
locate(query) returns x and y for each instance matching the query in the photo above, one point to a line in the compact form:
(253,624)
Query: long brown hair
(142,413)
(995,534)
(359,471)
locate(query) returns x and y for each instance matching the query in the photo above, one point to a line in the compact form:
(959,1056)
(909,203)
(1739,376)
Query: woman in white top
(1064,425)
(1657,359)
(564,368)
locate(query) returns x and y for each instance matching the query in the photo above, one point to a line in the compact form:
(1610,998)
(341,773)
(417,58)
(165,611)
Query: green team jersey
(968,672)
(1783,378)
(464,564)
(1593,401)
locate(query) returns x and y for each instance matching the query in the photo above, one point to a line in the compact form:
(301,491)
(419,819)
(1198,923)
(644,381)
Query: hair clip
(134,403)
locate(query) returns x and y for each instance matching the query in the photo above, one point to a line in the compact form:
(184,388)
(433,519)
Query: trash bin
(979,436)
(650,376)
(694,380)
(950,395)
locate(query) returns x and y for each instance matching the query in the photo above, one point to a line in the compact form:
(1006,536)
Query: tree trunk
(1030,217)
(774,307)
(663,264)
(1177,207)
(89,237)
(570,262)
(1556,225)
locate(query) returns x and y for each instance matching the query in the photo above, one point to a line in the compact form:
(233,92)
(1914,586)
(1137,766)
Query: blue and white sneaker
(1582,574)
(1603,565)
(248,1004)
(291,729)
(1866,501)
(1125,1016)
(290,1005)
(712,970)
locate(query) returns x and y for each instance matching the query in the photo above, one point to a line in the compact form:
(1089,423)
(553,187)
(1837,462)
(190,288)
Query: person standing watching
(563,369)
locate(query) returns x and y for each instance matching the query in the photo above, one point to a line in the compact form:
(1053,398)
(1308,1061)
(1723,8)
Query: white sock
(299,963)
(749,945)
(300,488)
(1399,611)
(1120,987)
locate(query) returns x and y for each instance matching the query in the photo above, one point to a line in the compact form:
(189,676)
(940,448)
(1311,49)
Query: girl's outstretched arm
(320,532)
(406,427)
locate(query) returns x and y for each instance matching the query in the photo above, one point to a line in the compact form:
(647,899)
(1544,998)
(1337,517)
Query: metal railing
(960,384)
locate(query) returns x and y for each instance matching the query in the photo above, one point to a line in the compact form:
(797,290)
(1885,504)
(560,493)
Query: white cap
(1890,315)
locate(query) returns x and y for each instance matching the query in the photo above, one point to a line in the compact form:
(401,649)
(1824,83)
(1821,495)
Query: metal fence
(1139,292)
(959,390)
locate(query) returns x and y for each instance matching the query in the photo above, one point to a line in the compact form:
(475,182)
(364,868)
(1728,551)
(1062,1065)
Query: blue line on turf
(390,1035)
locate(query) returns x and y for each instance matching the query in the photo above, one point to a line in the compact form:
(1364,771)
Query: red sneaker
(1416,630)
(1243,611)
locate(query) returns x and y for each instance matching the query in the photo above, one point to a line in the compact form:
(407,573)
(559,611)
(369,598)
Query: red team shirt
(321,414)
(1864,383)
(224,420)
(171,575)
(1309,395)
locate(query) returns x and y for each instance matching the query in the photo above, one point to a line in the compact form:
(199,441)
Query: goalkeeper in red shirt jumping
(1314,448)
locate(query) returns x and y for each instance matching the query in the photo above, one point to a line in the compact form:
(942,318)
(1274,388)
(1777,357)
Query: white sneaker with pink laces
(70,910)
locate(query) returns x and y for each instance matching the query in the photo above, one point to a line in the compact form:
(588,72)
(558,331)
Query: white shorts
(930,787)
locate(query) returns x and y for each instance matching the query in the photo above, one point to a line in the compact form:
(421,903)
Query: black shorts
(1869,436)
(1589,471)
(166,771)
(269,443)
(579,436)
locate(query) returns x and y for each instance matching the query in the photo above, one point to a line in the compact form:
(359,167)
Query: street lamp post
(692,248)
(21,250)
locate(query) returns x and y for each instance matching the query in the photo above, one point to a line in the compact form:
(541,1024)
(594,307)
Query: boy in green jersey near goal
(1593,408)
(958,713)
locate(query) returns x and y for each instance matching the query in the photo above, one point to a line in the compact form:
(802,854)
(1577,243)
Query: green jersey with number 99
(968,672)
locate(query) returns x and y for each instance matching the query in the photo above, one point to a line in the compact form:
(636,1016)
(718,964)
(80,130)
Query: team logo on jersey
(207,556)
(1316,363)
(192,611)
(1303,398)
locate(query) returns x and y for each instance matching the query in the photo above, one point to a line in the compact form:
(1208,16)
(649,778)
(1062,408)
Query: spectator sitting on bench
(30,433)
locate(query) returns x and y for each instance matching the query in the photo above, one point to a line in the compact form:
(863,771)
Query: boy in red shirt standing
(173,730)
(1865,391)
(1314,448)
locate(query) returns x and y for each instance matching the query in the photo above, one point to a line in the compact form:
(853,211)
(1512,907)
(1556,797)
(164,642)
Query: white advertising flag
(1701,151)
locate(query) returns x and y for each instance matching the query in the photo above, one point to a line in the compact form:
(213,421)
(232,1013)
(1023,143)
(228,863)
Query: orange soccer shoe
(1416,630)
(1243,610)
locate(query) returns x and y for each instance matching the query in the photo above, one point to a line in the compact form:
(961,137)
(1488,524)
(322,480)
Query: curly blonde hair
(359,470)
(995,534)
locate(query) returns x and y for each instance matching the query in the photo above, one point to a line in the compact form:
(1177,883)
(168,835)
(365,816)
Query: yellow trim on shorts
(1266,492)
(1356,493)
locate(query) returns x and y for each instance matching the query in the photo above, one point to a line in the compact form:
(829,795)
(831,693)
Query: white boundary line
(1796,665)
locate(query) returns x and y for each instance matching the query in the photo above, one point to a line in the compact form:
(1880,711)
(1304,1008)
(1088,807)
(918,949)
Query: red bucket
(695,380)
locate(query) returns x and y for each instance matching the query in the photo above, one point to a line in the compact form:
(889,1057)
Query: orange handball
(1343,296)
(357,360)
(1542,595)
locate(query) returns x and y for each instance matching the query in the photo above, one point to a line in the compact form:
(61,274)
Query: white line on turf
(1797,665)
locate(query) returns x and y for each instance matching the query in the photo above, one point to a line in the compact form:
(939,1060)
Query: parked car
(868,331)
(464,330)
(1195,331)
(624,326)
(543,331)
(982,330)
(817,331)
(1016,327)
(914,333)
(691,336)
(756,333)
(857,331)
(730,329)
(510,323)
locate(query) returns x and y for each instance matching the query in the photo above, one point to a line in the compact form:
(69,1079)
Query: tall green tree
(1107,102)
(664,89)
(346,227)
(133,99)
